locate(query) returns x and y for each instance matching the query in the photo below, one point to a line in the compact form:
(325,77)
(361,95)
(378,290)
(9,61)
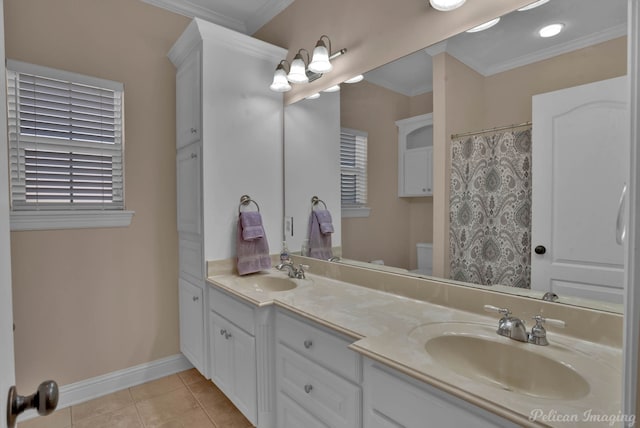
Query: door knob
(540,249)
(44,401)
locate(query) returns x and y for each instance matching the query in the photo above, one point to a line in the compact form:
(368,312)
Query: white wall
(312,156)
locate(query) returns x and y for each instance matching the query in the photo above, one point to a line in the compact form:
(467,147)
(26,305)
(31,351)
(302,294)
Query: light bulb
(320,61)
(314,96)
(484,26)
(533,5)
(446,5)
(297,73)
(355,79)
(334,88)
(280,82)
(551,30)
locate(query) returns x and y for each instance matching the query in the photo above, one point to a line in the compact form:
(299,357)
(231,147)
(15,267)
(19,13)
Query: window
(353,173)
(66,149)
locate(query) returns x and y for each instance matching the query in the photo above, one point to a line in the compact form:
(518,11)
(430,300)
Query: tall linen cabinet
(229,140)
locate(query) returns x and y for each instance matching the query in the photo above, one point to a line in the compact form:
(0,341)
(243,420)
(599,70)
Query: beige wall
(91,301)
(395,224)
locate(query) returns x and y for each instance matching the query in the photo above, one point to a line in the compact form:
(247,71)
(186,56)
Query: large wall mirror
(485,83)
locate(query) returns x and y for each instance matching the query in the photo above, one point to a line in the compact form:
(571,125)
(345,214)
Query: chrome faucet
(292,271)
(514,328)
(509,326)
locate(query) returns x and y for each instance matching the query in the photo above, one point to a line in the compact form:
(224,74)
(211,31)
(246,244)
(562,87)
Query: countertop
(393,330)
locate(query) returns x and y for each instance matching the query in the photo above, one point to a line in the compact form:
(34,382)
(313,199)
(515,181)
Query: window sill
(355,212)
(48,220)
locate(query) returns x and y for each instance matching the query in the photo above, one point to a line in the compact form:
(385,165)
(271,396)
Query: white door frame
(7,368)
(632,243)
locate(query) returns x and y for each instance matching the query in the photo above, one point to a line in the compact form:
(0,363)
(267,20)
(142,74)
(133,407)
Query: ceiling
(245,16)
(512,43)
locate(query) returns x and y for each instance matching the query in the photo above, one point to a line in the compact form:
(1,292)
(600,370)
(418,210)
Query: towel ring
(315,201)
(246,200)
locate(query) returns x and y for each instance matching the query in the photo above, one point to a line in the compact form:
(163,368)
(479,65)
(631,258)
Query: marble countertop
(393,330)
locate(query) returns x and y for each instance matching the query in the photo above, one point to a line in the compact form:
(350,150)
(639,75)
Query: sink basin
(273,283)
(509,366)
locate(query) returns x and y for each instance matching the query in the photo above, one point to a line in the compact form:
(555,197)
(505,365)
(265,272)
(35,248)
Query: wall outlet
(288,226)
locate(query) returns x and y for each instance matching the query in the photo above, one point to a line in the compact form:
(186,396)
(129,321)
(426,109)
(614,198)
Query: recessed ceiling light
(484,26)
(446,5)
(334,88)
(355,79)
(533,5)
(551,30)
(314,96)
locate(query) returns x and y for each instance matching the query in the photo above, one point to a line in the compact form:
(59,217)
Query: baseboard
(85,390)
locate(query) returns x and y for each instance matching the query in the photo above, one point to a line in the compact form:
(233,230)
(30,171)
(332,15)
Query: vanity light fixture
(533,5)
(334,88)
(355,79)
(446,5)
(314,96)
(484,26)
(280,82)
(298,70)
(550,30)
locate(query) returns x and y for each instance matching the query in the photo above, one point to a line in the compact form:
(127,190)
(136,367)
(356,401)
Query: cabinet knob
(424,190)
(194,155)
(196,298)
(223,332)
(308,344)
(308,388)
(193,130)
(227,335)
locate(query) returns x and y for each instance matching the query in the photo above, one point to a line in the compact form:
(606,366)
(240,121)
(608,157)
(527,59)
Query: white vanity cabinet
(318,377)
(395,400)
(228,124)
(415,156)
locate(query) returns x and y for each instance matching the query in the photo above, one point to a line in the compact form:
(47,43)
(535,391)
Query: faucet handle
(539,319)
(504,311)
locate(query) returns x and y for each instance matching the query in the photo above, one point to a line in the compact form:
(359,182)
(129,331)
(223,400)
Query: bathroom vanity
(324,352)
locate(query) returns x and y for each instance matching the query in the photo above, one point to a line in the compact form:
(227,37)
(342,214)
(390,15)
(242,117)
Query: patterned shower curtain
(490,208)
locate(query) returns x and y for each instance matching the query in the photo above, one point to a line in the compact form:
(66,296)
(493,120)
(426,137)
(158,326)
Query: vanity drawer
(319,345)
(291,415)
(322,393)
(235,311)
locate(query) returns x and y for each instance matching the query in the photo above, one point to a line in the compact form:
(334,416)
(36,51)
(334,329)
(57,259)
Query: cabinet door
(233,364)
(188,100)
(189,176)
(192,323)
(417,172)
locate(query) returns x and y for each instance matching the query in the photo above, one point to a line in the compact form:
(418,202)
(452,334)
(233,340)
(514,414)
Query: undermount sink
(508,366)
(475,351)
(273,283)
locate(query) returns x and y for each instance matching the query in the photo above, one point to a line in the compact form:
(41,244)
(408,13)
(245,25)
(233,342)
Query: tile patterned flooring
(183,400)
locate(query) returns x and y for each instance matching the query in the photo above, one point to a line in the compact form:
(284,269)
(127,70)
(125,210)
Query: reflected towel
(251,225)
(252,255)
(324,219)
(319,243)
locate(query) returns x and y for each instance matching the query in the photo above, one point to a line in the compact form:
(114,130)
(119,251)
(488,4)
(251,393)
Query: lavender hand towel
(324,219)
(319,243)
(253,255)
(251,225)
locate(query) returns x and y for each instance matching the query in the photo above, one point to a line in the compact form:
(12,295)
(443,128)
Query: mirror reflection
(487,86)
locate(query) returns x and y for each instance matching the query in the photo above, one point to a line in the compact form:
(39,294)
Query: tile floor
(183,400)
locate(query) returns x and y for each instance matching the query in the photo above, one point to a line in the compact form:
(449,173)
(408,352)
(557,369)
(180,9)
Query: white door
(7,374)
(579,162)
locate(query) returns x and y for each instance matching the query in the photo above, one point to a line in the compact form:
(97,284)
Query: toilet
(425,258)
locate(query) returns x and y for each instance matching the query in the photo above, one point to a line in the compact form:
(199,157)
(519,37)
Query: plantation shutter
(353,167)
(65,140)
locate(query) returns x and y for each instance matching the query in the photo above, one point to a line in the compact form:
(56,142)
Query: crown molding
(191,10)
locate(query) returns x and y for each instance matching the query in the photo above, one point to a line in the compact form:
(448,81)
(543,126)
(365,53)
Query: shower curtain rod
(484,131)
